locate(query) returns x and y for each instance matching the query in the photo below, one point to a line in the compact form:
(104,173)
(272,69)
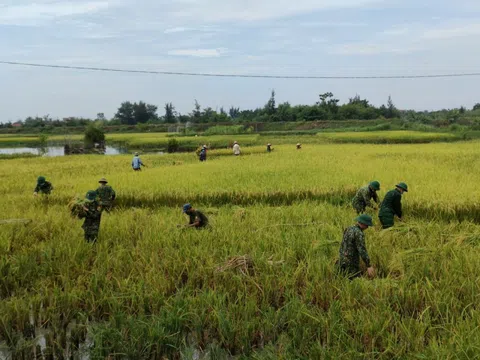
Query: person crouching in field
(392,205)
(364,195)
(106,195)
(92,214)
(137,163)
(353,248)
(299,146)
(196,218)
(43,186)
(269,147)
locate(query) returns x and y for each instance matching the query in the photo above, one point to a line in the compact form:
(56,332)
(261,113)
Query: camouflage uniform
(391,206)
(106,196)
(362,199)
(351,250)
(198,216)
(91,225)
(44,188)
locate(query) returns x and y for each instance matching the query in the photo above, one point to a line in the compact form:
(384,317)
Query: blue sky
(275,37)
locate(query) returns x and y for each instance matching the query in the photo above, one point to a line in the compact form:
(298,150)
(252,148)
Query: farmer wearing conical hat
(106,194)
(299,146)
(364,195)
(392,206)
(269,147)
(353,248)
(43,186)
(92,214)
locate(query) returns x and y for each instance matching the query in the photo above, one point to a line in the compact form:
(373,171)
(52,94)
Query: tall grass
(148,289)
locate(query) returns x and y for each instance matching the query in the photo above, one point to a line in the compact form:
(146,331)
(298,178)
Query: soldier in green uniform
(106,195)
(43,186)
(196,218)
(92,214)
(362,199)
(392,205)
(353,248)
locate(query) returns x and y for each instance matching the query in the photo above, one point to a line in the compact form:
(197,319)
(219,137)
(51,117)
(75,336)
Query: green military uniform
(351,250)
(391,206)
(43,186)
(363,198)
(106,195)
(198,216)
(92,215)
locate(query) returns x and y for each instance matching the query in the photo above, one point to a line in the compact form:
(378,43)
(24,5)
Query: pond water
(56,150)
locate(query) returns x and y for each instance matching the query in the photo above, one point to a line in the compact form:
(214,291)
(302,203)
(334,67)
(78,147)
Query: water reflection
(56,151)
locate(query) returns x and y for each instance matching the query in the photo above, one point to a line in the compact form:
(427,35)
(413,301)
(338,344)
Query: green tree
(143,112)
(208,115)
(196,115)
(284,113)
(93,135)
(43,143)
(152,112)
(356,100)
(221,116)
(170,117)
(329,104)
(234,112)
(476,106)
(391,111)
(125,113)
(183,118)
(270,106)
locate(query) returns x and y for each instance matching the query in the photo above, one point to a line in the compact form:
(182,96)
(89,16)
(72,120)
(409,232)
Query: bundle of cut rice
(76,207)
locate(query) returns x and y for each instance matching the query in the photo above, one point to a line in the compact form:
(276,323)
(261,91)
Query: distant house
(17,124)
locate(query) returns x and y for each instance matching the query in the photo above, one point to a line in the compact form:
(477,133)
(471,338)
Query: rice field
(387,137)
(260,283)
(189,143)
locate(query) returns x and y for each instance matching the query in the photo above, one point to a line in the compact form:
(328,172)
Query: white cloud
(177,30)
(332,24)
(31,13)
(370,49)
(254,57)
(452,32)
(400,39)
(204,53)
(255,10)
(396,31)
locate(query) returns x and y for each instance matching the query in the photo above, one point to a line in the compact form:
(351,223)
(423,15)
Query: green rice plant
(261,282)
(388,137)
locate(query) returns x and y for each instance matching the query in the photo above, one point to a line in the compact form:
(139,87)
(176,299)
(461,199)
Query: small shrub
(93,135)
(173,145)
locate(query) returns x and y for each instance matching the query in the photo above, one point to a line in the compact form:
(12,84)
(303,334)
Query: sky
(248,37)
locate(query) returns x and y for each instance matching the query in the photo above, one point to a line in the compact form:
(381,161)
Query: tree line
(326,108)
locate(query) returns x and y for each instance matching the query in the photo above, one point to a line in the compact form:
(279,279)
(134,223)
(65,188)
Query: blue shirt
(136,162)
